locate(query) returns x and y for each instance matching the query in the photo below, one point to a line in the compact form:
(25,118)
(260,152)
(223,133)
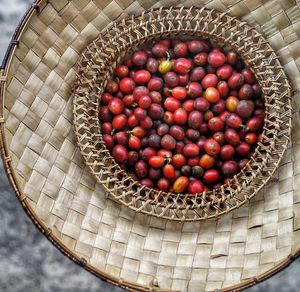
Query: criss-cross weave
(130,249)
(96,67)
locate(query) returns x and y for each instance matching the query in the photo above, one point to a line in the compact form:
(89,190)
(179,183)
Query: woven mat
(128,249)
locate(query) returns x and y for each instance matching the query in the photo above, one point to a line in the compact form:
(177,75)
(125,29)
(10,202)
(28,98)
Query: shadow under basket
(75,196)
(96,67)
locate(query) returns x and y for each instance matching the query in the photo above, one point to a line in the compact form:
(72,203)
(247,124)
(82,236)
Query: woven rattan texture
(129,249)
(126,35)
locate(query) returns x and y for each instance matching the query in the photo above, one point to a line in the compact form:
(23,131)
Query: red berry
(106,98)
(121,71)
(141,76)
(215,124)
(159,50)
(211,176)
(116,106)
(134,143)
(195,46)
(211,147)
(146,123)
(106,128)
(169,171)
(201,104)
(230,168)
(163,184)
(140,113)
(140,91)
(232,137)
(200,59)
(139,58)
(120,153)
(212,94)
(141,169)
(179,92)
(195,119)
(223,88)
(168,142)
(180,49)
(121,138)
(147,153)
(138,132)
(224,72)
(127,85)
(109,141)
(182,65)
(227,151)
(191,150)
(156,112)
(243,149)
(178,160)
(180,116)
(233,121)
(177,132)
(171,79)
(236,80)
(216,59)
(119,122)
(144,102)
(156,161)
(155,84)
(112,87)
(188,105)
(194,89)
(197,74)
(195,187)
(210,80)
(152,65)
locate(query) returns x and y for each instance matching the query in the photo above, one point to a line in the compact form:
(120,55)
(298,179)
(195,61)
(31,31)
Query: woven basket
(96,67)
(76,213)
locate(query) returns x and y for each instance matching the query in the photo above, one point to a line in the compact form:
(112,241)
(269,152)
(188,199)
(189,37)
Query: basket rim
(77,116)
(31,11)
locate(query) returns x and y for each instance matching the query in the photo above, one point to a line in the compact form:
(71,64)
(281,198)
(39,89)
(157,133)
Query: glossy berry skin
(168,142)
(156,161)
(120,153)
(127,85)
(212,94)
(212,147)
(227,151)
(180,116)
(216,59)
(230,168)
(141,169)
(163,184)
(169,171)
(195,187)
(191,150)
(141,76)
(182,66)
(211,176)
(119,122)
(181,184)
(121,71)
(139,58)
(116,106)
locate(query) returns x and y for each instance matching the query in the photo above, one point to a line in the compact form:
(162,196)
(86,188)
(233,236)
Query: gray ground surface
(28,261)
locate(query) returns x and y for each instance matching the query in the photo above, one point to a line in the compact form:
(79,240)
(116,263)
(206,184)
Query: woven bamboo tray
(129,249)
(96,67)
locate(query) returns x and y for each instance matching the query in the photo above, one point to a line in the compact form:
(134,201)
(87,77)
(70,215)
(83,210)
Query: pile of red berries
(182,116)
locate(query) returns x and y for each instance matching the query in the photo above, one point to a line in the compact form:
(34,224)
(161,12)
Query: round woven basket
(76,213)
(96,67)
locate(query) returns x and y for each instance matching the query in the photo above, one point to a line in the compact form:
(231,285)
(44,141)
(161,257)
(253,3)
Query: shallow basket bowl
(96,67)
